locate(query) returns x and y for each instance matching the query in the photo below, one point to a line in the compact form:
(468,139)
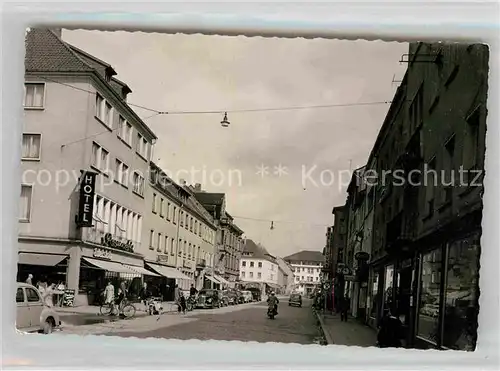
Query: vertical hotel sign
(87,192)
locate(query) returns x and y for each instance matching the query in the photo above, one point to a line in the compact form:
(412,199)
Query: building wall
(306,273)
(269,271)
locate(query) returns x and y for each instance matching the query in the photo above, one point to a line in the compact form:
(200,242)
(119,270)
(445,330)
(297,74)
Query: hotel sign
(87,191)
(103,254)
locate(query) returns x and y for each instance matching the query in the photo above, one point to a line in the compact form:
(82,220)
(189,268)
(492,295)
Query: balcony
(201,263)
(108,240)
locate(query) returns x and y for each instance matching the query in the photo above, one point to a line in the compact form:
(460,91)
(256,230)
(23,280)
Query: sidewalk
(350,333)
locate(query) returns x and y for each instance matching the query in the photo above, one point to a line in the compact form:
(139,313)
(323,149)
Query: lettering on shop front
(87,191)
(103,254)
(108,241)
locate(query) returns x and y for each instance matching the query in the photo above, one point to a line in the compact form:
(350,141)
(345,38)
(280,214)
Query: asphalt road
(292,325)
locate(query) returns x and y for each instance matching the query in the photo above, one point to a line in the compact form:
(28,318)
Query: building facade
(178,234)
(286,277)
(427,206)
(258,266)
(229,236)
(99,134)
(307,267)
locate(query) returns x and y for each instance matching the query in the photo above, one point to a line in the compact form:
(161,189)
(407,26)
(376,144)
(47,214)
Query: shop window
(389,288)
(428,310)
(375,297)
(461,309)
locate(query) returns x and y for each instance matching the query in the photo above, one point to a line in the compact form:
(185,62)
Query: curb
(326,334)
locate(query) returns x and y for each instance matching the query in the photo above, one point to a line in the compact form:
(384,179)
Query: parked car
(295,300)
(247,296)
(32,315)
(224,298)
(256,294)
(239,297)
(232,297)
(208,298)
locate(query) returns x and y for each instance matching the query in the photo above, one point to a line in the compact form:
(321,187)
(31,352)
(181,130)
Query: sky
(290,167)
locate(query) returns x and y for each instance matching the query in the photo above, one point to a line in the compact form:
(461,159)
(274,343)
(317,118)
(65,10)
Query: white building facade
(77,119)
(307,267)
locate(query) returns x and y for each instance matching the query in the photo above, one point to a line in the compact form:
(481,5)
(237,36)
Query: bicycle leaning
(125,307)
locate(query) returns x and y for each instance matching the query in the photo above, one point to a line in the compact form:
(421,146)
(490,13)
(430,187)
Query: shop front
(164,284)
(96,266)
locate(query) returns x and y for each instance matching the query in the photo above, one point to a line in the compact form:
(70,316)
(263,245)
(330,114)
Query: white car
(32,314)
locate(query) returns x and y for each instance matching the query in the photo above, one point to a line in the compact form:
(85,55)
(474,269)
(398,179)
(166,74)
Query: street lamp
(225,123)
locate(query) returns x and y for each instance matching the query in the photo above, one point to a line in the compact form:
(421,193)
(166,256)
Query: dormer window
(108,77)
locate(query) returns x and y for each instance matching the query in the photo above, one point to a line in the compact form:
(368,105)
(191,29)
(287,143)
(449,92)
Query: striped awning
(168,272)
(47,260)
(109,266)
(141,270)
(214,280)
(221,280)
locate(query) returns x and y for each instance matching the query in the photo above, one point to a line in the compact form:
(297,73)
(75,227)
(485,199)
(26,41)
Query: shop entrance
(48,274)
(404,293)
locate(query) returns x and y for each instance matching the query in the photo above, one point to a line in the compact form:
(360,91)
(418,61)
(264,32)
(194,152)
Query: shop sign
(361,255)
(87,191)
(103,254)
(109,241)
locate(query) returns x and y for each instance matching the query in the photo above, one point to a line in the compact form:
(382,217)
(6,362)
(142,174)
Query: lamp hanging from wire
(272,226)
(225,123)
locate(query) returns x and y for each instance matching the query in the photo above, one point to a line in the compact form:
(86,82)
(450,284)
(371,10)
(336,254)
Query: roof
(257,251)
(306,255)
(46,52)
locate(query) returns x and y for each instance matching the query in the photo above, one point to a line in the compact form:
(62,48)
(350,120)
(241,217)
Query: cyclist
(122,295)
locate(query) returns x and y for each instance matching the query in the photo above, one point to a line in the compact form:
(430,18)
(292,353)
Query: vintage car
(256,294)
(232,297)
(208,298)
(295,300)
(32,314)
(240,299)
(224,298)
(247,296)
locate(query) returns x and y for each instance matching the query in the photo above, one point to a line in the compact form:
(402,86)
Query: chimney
(57,31)
(197,187)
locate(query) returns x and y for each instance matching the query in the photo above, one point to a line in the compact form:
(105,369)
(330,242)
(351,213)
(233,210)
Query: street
(247,322)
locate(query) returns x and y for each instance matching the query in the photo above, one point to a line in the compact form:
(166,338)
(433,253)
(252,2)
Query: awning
(273,285)
(141,270)
(109,266)
(168,272)
(47,260)
(210,278)
(221,280)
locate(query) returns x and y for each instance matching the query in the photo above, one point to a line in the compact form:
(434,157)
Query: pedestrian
(390,331)
(145,295)
(29,279)
(344,308)
(48,295)
(177,298)
(109,296)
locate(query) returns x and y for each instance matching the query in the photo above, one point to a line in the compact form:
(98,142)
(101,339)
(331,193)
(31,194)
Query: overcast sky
(212,73)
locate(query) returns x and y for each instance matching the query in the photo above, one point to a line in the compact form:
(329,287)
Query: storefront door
(404,293)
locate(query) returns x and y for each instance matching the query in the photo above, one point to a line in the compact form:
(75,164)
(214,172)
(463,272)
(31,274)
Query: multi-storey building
(258,266)
(178,234)
(307,266)
(427,206)
(228,240)
(77,119)
(286,277)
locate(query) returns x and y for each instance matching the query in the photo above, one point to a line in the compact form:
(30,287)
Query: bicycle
(127,308)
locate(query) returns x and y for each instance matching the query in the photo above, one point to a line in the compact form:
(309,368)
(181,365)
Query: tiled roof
(46,52)
(256,251)
(210,198)
(306,255)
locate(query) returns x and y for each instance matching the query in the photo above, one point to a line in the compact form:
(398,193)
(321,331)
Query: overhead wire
(274,221)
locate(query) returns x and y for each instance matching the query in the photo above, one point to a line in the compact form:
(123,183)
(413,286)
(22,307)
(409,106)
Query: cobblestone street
(247,322)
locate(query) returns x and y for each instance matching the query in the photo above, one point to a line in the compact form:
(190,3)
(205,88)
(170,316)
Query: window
(260,264)
(174,216)
(416,110)
(31,146)
(195,227)
(154,203)
(104,111)
(100,158)
(251,264)
(461,310)
(32,295)
(430,282)
(259,275)
(432,179)
(99,106)
(251,274)
(374,297)
(191,224)
(151,239)
(172,242)
(138,184)
(168,211)
(187,217)
(243,263)
(181,218)
(162,201)
(124,130)
(142,146)
(179,252)
(34,95)
(166,247)
(121,173)
(25,203)
(19,296)
(158,247)
(184,251)
(242,274)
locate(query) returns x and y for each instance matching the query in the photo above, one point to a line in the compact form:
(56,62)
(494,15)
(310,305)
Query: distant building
(307,266)
(286,277)
(258,266)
